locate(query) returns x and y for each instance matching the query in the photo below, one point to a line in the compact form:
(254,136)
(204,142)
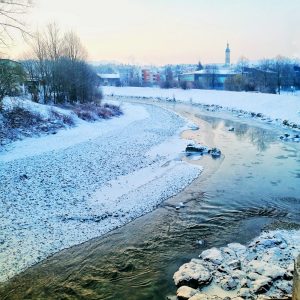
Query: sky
(174,31)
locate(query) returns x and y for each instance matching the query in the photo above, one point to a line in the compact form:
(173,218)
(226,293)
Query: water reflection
(259,137)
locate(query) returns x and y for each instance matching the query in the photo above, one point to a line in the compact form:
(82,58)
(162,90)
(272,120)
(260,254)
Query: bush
(92,112)
(65,119)
(186,85)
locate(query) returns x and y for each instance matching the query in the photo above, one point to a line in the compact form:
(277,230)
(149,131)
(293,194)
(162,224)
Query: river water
(255,185)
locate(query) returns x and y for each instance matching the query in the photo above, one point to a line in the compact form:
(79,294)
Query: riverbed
(253,186)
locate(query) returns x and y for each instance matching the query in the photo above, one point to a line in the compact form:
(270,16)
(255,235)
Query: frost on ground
(20,118)
(285,108)
(61,190)
(261,270)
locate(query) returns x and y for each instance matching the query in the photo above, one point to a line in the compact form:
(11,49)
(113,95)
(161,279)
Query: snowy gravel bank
(58,191)
(281,107)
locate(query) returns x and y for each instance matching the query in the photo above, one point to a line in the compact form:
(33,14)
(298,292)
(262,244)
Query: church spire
(227,55)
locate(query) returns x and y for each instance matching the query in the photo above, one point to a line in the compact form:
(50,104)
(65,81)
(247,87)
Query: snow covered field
(284,107)
(61,190)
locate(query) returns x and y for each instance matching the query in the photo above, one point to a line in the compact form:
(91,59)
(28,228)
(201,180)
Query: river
(255,185)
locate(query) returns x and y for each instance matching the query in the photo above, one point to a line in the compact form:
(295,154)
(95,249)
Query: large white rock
(266,269)
(213,255)
(201,296)
(192,274)
(186,292)
(261,285)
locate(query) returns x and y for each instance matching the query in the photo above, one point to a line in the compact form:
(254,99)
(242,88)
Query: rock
(261,285)
(214,152)
(228,253)
(171,297)
(253,275)
(185,292)
(285,286)
(234,264)
(244,283)
(266,269)
(201,296)
(213,255)
(196,148)
(263,297)
(238,274)
(245,293)
(228,283)
(24,177)
(192,274)
(237,248)
(193,127)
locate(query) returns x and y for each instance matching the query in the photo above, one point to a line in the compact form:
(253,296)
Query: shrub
(64,118)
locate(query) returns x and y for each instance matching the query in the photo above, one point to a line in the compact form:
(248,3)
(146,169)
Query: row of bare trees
(57,69)
(268,76)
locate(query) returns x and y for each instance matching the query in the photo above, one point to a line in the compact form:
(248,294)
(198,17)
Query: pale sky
(175,31)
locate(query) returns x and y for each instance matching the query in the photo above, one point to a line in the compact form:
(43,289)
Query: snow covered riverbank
(282,107)
(60,190)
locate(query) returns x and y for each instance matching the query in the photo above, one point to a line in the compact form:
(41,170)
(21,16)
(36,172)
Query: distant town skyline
(174,31)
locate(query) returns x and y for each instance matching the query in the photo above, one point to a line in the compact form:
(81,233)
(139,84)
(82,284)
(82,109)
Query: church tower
(227,56)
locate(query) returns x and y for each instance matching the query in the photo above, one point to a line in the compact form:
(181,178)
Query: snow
(284,107)
(44,110)
(84,132)
(61,190)
(109,76)
(237,270)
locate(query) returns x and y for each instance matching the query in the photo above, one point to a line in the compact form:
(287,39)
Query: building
(109,79)
(151,77)
(212,76)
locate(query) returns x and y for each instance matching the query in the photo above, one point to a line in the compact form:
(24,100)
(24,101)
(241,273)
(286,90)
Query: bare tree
(72,47)
(11,12)
(53,41)
(242,65)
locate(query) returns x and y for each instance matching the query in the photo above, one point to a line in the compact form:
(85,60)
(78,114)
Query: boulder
(213,255)
(228,253)
(192,274)
(261,285)
(234,264)
(215,152)
(266,269)
(202,296)
(197,148)
(229,283)
(237,248)
(185,292)
(284,285)
(245,293)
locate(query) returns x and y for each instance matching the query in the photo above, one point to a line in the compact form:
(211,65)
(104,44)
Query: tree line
(265,76)
(54,70)
(57,69)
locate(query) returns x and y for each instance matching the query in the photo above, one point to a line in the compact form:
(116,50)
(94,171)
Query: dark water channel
(255,185)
